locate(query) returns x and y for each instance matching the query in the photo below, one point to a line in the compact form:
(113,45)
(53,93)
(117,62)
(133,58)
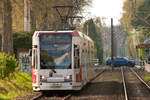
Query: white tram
(61,60)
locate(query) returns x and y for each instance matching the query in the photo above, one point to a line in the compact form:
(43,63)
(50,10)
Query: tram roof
(73,32)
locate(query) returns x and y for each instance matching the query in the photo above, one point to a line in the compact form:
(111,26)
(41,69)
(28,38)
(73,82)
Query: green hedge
(21,40)
(8,64)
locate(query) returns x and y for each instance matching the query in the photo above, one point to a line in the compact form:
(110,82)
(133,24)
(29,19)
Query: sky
(107,9)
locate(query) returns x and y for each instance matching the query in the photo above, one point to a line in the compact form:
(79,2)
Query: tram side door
(77,63)
(35,77)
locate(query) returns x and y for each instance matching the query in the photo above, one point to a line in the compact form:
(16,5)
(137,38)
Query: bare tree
(7,37)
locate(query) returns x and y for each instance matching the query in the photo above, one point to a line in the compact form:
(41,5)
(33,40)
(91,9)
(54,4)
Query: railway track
(124,84)
(134,88)
(62,95)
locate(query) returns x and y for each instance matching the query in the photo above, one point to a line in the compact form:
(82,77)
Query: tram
(61,60)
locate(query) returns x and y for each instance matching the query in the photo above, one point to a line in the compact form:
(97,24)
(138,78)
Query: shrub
(8,64)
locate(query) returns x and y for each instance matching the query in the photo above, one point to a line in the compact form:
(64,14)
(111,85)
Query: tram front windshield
(55,51)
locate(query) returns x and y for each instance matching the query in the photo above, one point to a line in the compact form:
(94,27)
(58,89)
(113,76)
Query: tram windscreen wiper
(53,70)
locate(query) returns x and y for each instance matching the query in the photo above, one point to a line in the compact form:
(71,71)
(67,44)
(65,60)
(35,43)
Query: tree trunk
(33,21)
(7,37)
(27,26)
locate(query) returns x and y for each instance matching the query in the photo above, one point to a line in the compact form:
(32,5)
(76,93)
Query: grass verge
(17,84)
(147,78)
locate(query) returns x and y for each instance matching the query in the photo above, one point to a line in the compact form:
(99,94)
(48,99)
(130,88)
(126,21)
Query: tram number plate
(56,84)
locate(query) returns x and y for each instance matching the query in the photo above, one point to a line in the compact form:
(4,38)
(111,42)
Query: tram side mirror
(76,46)
(34,46)
(30,52)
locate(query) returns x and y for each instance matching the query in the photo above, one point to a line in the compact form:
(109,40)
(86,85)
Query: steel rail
(97,75)
(124,84)
(140,78)
(37,96)
(67,97)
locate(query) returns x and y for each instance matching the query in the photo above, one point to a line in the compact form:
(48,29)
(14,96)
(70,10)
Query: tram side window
(35,59)
(76,56)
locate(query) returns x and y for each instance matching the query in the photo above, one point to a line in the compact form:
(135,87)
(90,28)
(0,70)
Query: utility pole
(87,29)
(112,45)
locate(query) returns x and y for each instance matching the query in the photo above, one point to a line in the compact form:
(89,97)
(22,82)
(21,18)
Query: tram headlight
(42,78)
(68,78)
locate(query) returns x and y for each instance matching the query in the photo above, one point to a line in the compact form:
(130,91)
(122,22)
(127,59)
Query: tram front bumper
(58,86)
